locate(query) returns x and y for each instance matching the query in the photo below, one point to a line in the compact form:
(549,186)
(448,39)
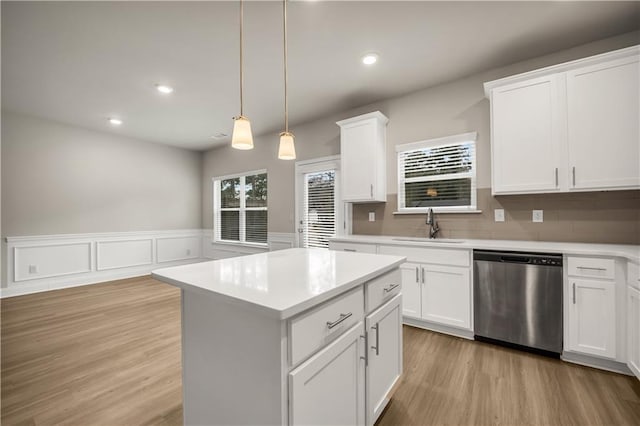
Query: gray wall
(59,179)
(448,109)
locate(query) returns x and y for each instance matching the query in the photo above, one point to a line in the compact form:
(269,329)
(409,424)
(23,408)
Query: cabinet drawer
(633,275)
(591,267)
(313,330)
(382,288)
(453,257)
(357,247)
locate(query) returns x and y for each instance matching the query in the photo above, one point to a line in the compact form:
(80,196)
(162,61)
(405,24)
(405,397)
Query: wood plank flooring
(109,354)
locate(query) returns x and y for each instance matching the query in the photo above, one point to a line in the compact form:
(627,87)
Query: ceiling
(82,62)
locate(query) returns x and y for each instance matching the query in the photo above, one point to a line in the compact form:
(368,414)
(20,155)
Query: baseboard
(595,362)
(454,331)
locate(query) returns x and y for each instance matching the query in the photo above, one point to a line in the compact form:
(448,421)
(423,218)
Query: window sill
(238,244)
(438,211)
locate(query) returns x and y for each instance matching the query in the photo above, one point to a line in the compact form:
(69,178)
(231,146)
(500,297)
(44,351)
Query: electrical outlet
(372,216)
(188,252)
(33,269)
(498,215)
(537,216)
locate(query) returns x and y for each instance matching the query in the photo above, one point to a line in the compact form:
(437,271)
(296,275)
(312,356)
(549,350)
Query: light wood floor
(109,354)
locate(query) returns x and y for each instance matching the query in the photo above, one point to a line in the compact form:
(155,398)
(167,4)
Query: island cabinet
(569,127)
(293,337)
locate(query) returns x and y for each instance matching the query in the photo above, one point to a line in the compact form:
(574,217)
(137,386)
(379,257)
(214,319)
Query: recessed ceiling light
(370,59)
(163,88)
(115,121)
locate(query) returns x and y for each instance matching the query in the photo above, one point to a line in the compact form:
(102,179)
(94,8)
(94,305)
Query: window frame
(242,209)
(432,143)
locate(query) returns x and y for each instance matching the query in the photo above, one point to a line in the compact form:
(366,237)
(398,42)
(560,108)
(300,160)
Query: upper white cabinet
(363,157)
(570,127)
(526,126)
(603,115)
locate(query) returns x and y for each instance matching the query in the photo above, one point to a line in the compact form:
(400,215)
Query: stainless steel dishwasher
(517,299)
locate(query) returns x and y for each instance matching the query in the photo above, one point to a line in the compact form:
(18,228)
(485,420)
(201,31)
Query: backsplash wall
(589,217)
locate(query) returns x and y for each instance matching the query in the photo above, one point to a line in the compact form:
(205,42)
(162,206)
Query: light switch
(372,216)
(498,215)
(537,216)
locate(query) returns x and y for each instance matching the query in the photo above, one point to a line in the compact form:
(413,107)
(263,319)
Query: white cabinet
(525,125)
(384,329)
(592,317)
(363,158)
(570,127)
(633,330)
(353,247)
(446,295)
(411,288)
(327,388)
(603,109)
(436,287)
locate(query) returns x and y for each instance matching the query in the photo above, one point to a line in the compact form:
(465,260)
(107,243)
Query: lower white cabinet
(411,288)
(384,357)
(438,294)
(592,317)
(327,388)
(633,330)
(446,295)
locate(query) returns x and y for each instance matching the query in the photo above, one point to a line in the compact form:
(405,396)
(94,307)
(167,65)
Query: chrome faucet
(433,225)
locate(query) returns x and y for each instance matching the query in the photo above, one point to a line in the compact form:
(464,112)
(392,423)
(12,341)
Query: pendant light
(241,137)
(287,149)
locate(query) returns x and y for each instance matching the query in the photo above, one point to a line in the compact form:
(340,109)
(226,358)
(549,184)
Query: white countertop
(630,252)
(280,283)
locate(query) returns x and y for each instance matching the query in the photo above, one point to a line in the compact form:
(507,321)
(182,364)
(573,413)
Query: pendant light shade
(241,137)
(287,149)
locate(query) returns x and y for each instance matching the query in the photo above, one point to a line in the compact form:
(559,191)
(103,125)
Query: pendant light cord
(241,56)
(286,103)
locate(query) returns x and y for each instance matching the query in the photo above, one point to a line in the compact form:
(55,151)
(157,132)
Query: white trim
(375,115)
(443,141)
(236,175)
(559,68)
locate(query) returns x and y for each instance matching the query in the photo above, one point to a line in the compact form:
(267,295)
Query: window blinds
(319,208)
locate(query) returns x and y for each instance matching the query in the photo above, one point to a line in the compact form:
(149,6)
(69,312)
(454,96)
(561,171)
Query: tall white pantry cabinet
(569,127)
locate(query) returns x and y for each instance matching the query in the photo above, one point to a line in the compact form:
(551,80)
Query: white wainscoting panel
(124,253)
(170,249)
(51,260)
(281,240)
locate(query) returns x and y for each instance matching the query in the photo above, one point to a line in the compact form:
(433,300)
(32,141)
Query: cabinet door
(328,389)
(592,317)
(358,161)
(384,329)
(446,296)
(411,278)
(603,108)
(526,132)
(633,330)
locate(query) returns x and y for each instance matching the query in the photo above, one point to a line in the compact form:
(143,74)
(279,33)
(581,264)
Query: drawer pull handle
(391,288)
(556,177)
(574,293)
(366,352)
(417,279)
(377,346)
(353,250)
(343,317)
(592,269)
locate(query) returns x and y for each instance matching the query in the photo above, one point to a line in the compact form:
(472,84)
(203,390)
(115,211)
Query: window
(240,208)
(318,205)
(437,173)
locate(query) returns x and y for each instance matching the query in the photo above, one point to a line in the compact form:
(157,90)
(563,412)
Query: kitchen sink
(429,240)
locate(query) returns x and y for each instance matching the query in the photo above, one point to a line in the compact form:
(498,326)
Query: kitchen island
(296,336)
